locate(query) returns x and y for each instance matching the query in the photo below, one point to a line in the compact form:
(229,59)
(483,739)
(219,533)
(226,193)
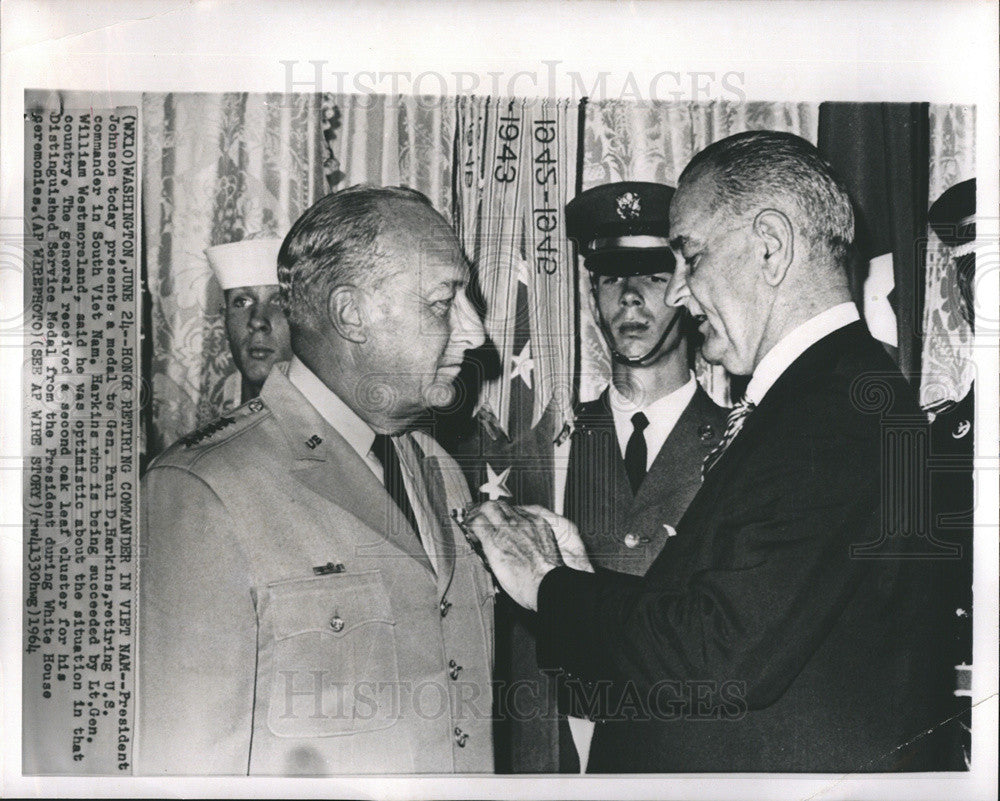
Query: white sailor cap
(251,262)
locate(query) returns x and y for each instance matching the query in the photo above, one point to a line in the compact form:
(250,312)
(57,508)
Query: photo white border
(941,52)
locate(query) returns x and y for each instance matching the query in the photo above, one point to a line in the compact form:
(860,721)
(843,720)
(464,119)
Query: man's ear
(344,310)
(776,233)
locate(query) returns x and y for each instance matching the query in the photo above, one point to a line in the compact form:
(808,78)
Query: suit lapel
(330,467)
(815,359)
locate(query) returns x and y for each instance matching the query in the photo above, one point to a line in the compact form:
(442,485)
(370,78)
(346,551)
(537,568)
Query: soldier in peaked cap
(636,452)
(654,414)
(256,326)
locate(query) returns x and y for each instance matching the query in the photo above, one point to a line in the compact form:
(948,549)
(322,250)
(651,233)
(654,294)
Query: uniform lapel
(443,528)
(678,464)
(330,467)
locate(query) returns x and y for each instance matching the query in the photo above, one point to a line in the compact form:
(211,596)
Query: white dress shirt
(794,344)
(662,414)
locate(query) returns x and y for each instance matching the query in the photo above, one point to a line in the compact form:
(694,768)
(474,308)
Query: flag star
(496,485)
(523,364)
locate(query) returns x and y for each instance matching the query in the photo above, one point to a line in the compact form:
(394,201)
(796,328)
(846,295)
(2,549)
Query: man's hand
(521,547)
(571,547)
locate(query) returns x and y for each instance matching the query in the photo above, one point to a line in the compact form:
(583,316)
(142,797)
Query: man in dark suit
(636,451)
(785,629)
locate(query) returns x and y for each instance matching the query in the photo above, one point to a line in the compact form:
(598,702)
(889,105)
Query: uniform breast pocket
(334,669)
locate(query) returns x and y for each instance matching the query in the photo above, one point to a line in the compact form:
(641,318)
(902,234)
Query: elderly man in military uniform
(256,326)
(637,451)
(308,604)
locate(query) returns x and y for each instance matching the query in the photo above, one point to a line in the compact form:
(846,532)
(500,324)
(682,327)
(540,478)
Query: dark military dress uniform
(622,530)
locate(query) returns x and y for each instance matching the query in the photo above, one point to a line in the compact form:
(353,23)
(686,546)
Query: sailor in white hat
(256,325)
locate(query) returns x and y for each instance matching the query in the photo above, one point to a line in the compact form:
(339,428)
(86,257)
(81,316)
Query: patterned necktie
(734,424)
(392,476)
(635,452)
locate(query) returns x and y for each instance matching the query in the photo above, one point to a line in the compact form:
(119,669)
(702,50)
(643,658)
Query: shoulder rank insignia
(206,431)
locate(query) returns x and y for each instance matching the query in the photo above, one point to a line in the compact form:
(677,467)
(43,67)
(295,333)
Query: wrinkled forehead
(420,239)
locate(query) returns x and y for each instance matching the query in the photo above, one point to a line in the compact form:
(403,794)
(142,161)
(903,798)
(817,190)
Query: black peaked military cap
(953,219)
(953,215)
(623,228)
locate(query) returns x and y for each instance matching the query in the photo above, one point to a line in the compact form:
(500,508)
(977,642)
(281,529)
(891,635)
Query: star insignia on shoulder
(207,431)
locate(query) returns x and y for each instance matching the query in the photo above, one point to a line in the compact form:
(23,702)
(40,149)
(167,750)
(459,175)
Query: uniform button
(444,606)
(454,667)
(631,540)
(337,623)
(460,737)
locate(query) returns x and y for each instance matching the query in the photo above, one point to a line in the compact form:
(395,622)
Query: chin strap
(639,361)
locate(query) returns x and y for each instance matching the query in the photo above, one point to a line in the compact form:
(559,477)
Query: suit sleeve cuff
(570,634)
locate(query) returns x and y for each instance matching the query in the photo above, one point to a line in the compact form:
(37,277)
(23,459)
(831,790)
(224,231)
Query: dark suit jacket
(758,640)
(623,531)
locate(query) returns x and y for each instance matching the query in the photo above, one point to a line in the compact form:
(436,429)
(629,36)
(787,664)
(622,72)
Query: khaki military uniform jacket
(283,631)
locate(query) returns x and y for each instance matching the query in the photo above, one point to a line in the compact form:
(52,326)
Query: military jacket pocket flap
(334,604)
(334,666)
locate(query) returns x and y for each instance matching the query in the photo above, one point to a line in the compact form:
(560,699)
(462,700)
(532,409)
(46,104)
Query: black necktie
(635,452)
(392,476)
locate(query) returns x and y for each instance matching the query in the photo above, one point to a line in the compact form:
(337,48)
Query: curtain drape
(217,168)
(391,140)
(881,152)
(947,367)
